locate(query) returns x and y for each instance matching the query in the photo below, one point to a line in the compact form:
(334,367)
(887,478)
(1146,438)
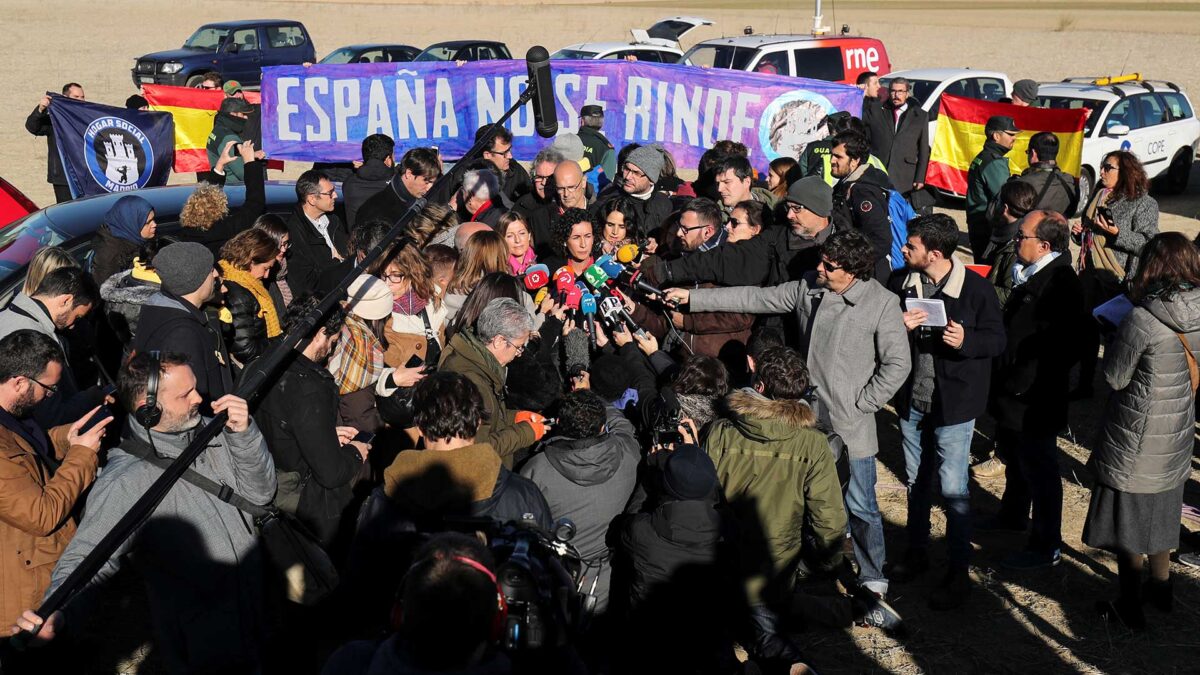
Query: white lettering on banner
(489,100)
(862,58)
(637,108)
(284,110)
(346,104)
(443,110)
(522,123)
(570,117)
(716,116)
(593,90)
(660,128)
(410,110)
(379,117)
(740,121)
(686,114)
(311,86)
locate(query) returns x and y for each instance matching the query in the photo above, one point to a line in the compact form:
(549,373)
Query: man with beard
(514,179)
(639,173)
(853,338)
(198,556)
(43,473)
(538,204)
(419,169)
(64,296)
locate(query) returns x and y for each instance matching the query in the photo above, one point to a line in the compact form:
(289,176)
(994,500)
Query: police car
(657,44)
(1151,118)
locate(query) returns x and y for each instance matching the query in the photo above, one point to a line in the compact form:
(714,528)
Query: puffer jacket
(777,473)
(1146,444)
(124,294)
(246,335)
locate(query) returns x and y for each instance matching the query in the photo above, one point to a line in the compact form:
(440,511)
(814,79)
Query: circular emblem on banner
(118,154)
(792,121)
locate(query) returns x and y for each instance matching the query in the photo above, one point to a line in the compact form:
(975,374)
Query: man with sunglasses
(988,173)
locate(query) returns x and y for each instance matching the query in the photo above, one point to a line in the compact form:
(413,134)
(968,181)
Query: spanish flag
(194,111)
(960,137)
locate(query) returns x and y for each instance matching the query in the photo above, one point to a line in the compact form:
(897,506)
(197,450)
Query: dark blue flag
(108,149)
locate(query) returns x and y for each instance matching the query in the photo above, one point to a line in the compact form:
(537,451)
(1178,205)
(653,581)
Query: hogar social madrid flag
(108,149)
(960,137)
(194,111)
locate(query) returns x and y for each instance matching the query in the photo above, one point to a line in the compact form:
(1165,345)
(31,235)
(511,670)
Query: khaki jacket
(35,514)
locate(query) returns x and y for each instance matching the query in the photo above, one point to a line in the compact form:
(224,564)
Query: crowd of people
(701,449)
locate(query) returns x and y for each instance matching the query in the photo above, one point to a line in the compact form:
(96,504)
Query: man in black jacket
(1043,318)
(640,172)
(174,320)
(860,197)
(319,238)
(538,204)
(418,170)
(946,391)
(1056,190)
(316,461)
(899,131)
(514,179)
(38,124)
(377,170)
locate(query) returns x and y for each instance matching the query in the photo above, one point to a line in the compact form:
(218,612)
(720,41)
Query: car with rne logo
(838,58)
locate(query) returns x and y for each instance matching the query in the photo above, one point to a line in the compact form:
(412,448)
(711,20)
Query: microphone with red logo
(564,281)
(536,277)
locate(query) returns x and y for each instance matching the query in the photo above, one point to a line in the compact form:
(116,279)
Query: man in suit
(319,238)
(900,136)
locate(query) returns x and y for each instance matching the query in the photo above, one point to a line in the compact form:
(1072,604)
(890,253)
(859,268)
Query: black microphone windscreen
(545,115)
(576,351)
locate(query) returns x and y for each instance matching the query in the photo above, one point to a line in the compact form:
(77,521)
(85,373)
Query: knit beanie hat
(610,377)
(183,267)
(649,160)
(689,473)
(570,146)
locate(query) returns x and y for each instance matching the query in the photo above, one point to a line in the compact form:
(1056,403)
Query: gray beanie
(183,267)
(1026,90)
(649,160)
(570,146)
(813,193)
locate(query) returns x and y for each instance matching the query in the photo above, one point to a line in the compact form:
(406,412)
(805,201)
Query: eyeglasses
(830,267)
(50,389)
(285,245)
(685,230)
(634,171)
(207,86)
(1109,167)
(541,179)
(520,348)
(394,278)
(734,223)
(1020,236)
(893,92)
(567,189)
(505,153)
(329,194)
(793,207)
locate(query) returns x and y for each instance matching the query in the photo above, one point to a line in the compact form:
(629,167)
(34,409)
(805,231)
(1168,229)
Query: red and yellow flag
(194,111)
(960,137)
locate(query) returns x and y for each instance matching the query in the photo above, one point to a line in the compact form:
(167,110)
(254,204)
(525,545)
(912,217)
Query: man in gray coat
(198,554)
(587,471)
(852,332)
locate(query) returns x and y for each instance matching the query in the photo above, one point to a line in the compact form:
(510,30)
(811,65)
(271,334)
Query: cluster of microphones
(595,293)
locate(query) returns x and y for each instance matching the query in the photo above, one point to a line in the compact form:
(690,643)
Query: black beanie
(689,473)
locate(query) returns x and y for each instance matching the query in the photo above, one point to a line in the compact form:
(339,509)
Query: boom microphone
(545,115)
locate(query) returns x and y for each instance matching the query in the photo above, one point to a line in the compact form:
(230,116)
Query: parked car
(833,58)
(238,50)
(373,53)
(1151,118)
(13,205)
(657,44)
(465,50)
(72,224)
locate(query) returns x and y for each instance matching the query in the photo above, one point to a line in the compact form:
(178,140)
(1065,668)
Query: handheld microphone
(572,297)
(595,276)
(587,305)
(541,296)
(629,253)
(612,309)
(564,280)
(634,280)
(610,266)
(536,277)
(545,114)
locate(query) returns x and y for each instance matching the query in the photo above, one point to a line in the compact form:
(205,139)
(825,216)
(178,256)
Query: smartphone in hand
(364,437)
(102,414)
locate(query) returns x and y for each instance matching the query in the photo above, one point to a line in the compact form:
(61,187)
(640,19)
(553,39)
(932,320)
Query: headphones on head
(149,413)
(499,621)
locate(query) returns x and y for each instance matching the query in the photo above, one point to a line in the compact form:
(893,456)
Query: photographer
(587,471)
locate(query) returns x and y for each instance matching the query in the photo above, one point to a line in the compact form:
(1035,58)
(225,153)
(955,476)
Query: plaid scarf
(357,361)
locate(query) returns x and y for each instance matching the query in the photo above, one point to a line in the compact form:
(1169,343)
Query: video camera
(664,416)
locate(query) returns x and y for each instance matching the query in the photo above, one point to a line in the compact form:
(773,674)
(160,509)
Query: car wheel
(1087,183)
(1175,180)
(195,80)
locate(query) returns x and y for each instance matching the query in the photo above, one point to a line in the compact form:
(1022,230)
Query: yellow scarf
(266,306)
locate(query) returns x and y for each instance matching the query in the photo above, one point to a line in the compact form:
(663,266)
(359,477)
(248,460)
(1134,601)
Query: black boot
(952,592)
(1128,612)
(915,564)
(1158,594)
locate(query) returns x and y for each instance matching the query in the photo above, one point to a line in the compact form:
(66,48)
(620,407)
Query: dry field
(1040,623)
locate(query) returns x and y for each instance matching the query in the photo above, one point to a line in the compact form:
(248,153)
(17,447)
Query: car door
(1151,141)
(773,63)
(285,45)
(241,56)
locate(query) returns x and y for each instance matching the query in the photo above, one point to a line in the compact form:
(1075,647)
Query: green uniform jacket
(467,356)
(988,173)
(599,151)
(776,471)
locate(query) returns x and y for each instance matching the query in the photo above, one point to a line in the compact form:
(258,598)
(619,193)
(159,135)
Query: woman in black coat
(252,320)
(127,226)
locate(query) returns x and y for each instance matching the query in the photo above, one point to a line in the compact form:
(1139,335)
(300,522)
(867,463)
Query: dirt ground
(1038,623)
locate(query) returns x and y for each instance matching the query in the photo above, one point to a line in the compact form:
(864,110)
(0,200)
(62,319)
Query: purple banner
(322,113)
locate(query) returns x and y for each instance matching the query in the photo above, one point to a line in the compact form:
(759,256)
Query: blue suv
(238,50)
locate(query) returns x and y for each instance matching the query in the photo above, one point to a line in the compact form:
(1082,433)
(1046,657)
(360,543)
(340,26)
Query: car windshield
(207,38)
(1072,103)
(437,53)
(20,240)
(337,56)
(573,54)
(719,56)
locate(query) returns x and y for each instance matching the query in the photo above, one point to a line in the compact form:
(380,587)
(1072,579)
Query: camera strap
(142,450)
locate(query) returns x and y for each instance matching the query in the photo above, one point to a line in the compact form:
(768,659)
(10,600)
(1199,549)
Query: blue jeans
(866,525)
(945,450)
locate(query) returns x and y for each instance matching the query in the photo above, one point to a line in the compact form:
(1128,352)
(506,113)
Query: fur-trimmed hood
(765,419)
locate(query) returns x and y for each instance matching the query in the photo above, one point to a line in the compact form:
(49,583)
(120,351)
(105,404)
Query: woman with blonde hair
(206,218)
(518,240)
(246,261)
(430,222)
(45,260)
(484,252)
